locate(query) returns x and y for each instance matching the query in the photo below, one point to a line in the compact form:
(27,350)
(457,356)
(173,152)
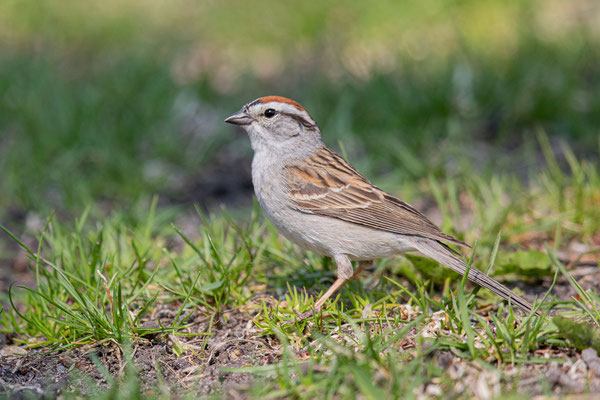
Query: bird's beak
(239,118)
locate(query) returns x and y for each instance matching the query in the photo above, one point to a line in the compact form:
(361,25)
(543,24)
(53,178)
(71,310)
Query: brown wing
(327,185)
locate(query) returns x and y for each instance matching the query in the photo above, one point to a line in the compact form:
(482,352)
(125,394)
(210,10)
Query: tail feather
(439,252)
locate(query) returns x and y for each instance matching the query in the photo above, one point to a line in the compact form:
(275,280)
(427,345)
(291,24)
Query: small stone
(445,359)
(589,355)
(11,351)
(433,390)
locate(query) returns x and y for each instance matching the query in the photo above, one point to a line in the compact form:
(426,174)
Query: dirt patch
(200,367)
(198,364)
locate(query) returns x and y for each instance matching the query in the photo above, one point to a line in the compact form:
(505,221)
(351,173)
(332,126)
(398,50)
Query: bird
(318,201)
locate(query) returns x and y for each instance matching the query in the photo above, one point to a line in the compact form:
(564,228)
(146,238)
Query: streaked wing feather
(327,185)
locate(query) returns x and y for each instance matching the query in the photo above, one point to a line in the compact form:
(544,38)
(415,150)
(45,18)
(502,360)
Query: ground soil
(181,364)
(199,368)
(203,363)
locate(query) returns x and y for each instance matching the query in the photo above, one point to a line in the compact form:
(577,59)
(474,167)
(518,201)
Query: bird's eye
(270,113)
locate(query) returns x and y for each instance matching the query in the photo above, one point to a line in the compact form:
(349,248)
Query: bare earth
(237,342)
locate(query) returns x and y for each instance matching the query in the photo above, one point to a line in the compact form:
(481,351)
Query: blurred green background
(107,103)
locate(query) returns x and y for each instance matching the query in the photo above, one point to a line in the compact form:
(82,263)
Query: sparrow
(320,202)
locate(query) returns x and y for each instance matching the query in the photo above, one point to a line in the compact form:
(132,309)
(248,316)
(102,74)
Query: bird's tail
(442,254)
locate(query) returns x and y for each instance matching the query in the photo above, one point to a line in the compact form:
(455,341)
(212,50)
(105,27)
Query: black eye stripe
(299,119)
(270,113)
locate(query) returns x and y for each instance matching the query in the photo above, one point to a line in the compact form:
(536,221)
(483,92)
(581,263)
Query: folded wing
(327,185)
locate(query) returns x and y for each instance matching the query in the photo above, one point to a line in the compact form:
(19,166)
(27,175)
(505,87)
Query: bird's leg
(344,272)
(339,282)
(361,266)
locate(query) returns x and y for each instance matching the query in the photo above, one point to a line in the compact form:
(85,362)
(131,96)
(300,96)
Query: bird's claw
(300,317)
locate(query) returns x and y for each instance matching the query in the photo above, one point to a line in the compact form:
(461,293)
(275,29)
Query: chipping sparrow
(320,202)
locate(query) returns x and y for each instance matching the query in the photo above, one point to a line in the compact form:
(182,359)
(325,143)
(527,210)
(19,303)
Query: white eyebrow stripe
(287,109)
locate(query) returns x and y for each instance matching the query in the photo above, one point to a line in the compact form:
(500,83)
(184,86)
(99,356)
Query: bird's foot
(301,317)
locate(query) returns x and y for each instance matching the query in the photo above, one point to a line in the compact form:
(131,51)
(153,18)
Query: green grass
(98,279)
(96,283)
(487,110)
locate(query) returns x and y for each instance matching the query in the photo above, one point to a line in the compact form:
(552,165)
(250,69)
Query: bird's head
(278,124)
